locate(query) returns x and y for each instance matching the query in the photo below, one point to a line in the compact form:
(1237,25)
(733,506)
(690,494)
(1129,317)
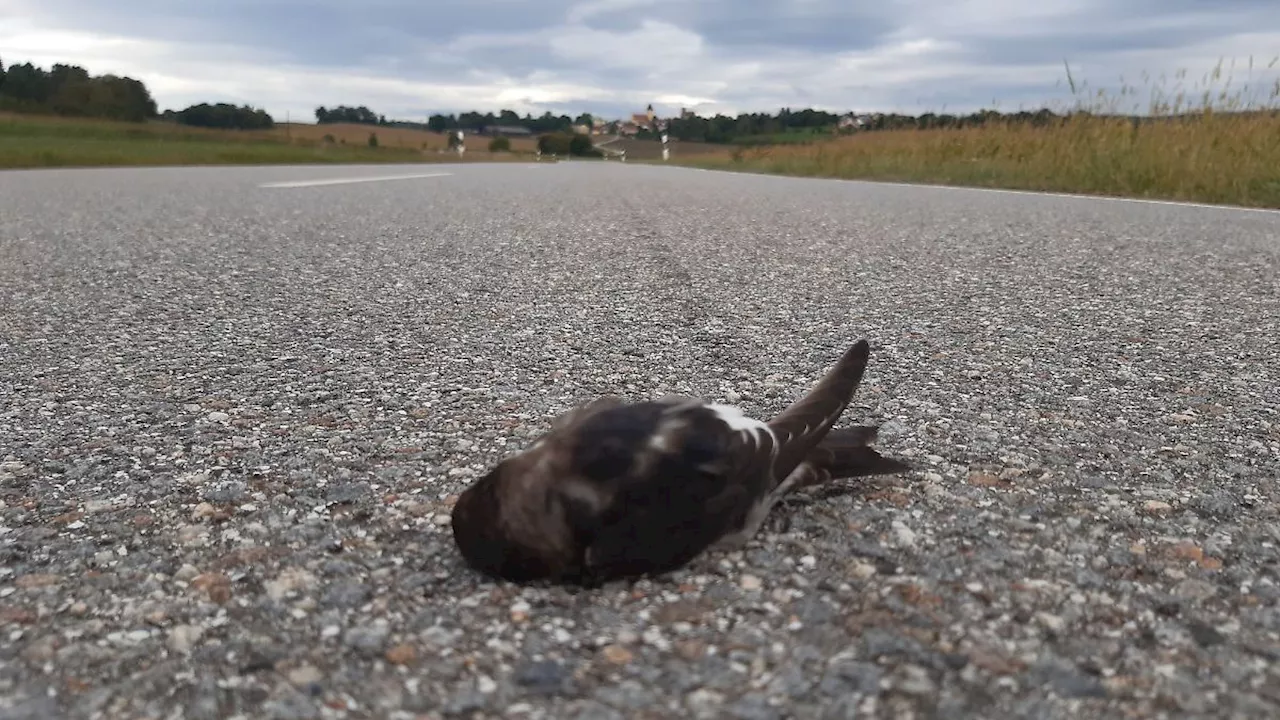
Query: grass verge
(36,142)
(1223,149)
(410,138)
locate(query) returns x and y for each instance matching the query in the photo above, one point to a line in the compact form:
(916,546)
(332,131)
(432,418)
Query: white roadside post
(666,152)
(462,147)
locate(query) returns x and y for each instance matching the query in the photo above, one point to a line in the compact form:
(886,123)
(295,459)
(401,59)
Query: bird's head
(524,519)
(475,522)
(508,523)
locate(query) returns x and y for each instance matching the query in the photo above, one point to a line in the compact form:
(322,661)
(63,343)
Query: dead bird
(620,490)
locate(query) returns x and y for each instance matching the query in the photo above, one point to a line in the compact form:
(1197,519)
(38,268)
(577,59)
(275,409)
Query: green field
(41,141)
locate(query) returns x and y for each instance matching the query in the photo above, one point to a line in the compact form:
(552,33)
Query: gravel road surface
(233,418)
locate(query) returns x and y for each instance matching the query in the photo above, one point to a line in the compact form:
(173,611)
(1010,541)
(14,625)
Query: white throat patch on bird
(737,421)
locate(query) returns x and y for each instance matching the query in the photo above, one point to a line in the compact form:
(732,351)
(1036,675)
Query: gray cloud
(322,33)
(614,56)
(754,26)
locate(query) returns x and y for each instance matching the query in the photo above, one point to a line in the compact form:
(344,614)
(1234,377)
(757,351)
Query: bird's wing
(654,484)
(801,426)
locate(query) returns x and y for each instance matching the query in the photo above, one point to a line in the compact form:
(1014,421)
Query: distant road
(234,403)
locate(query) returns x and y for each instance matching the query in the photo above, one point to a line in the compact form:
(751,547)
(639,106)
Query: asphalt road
(232,417)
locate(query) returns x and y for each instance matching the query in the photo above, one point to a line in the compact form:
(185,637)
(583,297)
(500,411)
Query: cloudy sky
(408,58)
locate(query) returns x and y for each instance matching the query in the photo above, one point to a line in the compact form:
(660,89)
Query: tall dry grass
(1207,142)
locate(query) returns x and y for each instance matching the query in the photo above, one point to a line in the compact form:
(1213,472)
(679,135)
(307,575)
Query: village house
(853,122)
(637,122)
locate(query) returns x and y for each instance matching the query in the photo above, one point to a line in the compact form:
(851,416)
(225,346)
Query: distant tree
(553,144)
(343,114)
(567,143)
(27,85)
(120,98)
(373,140)
(474,121)
(548,123)
(224,116)
(581,146)
(439,123)
(71,90)
(500,144)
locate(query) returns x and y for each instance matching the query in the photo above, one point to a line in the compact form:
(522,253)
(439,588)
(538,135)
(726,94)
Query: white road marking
(343,181)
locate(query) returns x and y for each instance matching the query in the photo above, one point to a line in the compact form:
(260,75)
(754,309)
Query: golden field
(1205,144)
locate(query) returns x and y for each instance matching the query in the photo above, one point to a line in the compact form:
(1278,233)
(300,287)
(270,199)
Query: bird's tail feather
(847,452)
(802,424)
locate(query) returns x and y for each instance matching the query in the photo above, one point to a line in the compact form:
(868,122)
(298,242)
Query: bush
(553,144)
(224,116)
(567,144)
(373,139)
(581,146)
(500,144)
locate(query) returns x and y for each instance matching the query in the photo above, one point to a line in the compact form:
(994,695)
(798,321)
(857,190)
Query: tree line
(468,121)
(224,116)
(761,128)
(343,114)
(71,90)
(547,122)
(745,128)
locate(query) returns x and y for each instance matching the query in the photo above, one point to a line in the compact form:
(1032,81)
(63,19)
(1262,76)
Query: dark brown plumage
(619,490)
